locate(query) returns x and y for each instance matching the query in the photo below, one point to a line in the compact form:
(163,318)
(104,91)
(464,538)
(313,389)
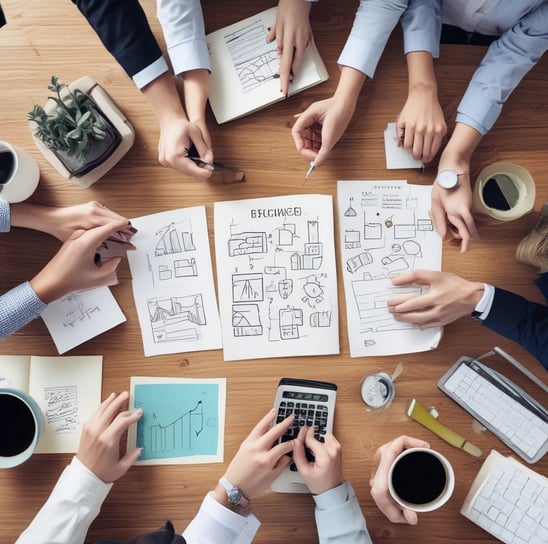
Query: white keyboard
(500,405)
(510,501)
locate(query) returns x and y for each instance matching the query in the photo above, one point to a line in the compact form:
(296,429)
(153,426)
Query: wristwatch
(448,179)
(234,494)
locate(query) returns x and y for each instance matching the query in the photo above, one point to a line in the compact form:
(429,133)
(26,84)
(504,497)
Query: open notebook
(244,68)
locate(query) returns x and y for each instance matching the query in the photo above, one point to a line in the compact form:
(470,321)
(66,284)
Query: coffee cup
(19,173)
(21,425)
(421,479)
(503,192)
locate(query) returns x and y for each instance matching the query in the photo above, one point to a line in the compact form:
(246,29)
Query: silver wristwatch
(448,179)
(234,494)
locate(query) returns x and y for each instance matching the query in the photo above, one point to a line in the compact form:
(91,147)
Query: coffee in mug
(19,173)
(21,425)
(421,479)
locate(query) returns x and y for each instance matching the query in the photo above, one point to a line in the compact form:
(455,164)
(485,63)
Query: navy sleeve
(123,28)
(521,320)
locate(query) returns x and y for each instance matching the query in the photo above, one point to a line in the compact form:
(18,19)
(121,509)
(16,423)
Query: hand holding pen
(221,173)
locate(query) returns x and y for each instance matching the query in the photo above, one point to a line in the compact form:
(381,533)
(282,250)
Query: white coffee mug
(19,173)
(21,426)
(421,479)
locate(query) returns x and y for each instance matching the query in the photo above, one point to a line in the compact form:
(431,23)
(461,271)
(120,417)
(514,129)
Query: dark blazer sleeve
(521,320)
(123,28)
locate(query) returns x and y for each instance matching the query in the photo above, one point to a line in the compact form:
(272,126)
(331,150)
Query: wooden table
(45,38)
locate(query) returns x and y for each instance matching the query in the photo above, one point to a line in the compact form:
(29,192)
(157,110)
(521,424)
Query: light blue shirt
(522,27)
(21,304)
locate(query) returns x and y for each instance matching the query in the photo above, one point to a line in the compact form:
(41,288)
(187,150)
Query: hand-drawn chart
(80,316)
(182,422)
(277,276)
(173,282)
(385,229)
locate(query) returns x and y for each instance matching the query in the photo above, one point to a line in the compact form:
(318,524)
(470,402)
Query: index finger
(286,61)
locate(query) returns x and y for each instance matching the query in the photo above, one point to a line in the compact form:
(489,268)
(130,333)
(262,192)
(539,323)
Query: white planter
(105,103)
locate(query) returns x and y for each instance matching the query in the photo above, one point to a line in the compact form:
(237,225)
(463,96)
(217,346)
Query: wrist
(475,294)
(350,84)
(231,496)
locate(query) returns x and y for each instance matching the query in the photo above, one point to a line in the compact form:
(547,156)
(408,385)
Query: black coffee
(500,193)
(419,477)
(7,163)
(17,426)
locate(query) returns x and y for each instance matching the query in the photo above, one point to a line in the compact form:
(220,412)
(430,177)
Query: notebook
(244,68)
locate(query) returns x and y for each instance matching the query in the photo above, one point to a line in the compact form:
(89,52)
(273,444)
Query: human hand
(99,448)
(448,297)
(325,472)
(257,462)
(385,456)
(421,125)
(292,33)
(320,127)
(74,266)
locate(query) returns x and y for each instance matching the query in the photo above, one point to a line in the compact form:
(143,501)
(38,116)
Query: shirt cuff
(359,54)
(419,40)
(5,216)
(189,55)
(150,73)
(333,497)
(86,484)
(478,111)
(483,307)
(216,524)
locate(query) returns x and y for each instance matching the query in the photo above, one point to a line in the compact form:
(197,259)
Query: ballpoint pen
(420,414)
(310,170)
(235,174)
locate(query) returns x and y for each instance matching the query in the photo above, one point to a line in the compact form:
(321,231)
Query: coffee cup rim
(438,501)
(37,415)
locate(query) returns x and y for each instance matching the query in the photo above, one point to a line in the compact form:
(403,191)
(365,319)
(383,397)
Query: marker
(310,170)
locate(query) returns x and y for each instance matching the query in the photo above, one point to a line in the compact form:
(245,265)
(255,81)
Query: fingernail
(133,229)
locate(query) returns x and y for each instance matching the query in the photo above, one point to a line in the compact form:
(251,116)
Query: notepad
(67,389)
(244,68)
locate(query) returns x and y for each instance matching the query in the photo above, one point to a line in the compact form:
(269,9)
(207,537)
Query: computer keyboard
(500,405)
(509,500)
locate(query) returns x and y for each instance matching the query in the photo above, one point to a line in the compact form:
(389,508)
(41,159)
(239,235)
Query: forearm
(420,69)
(350,85)
(196,92)
(164,99)
(33,216)
(461,145)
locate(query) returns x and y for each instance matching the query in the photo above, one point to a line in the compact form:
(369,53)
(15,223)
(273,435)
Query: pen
(310,170)
(420,414)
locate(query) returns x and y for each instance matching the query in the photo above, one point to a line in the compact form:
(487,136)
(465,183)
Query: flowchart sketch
(182,421)
(276,274)
(80,316)
(394,234)
(173,284)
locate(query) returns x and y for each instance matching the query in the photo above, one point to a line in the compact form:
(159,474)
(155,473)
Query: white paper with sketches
(80,316)
(173,283)
(385,229)
(276,272)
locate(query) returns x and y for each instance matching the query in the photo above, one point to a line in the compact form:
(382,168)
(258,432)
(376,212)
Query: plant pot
(96,160)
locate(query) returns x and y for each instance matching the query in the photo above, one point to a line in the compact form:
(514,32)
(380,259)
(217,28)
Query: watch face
(234,496)
(448,179)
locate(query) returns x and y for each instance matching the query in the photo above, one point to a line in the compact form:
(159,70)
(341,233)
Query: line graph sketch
(183,419)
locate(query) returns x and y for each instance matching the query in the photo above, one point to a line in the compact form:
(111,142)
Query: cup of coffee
(19,173)
(421,479)
(21,425)
(503,192)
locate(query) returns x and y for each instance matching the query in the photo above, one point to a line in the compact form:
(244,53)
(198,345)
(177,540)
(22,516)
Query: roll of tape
(503,192)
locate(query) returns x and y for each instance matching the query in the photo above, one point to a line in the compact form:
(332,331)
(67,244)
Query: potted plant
(80,130)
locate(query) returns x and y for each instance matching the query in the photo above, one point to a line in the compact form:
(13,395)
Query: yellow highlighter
(419,413)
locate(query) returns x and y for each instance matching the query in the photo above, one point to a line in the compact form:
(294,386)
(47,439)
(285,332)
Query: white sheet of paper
(80,316)
(397,157)
(385,229)
(276,274)
(173,283)
(68,390)
(14,371)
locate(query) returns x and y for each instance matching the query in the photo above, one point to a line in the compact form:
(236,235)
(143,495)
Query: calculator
(313,404)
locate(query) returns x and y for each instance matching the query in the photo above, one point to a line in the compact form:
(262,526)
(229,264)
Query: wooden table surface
(45,38)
